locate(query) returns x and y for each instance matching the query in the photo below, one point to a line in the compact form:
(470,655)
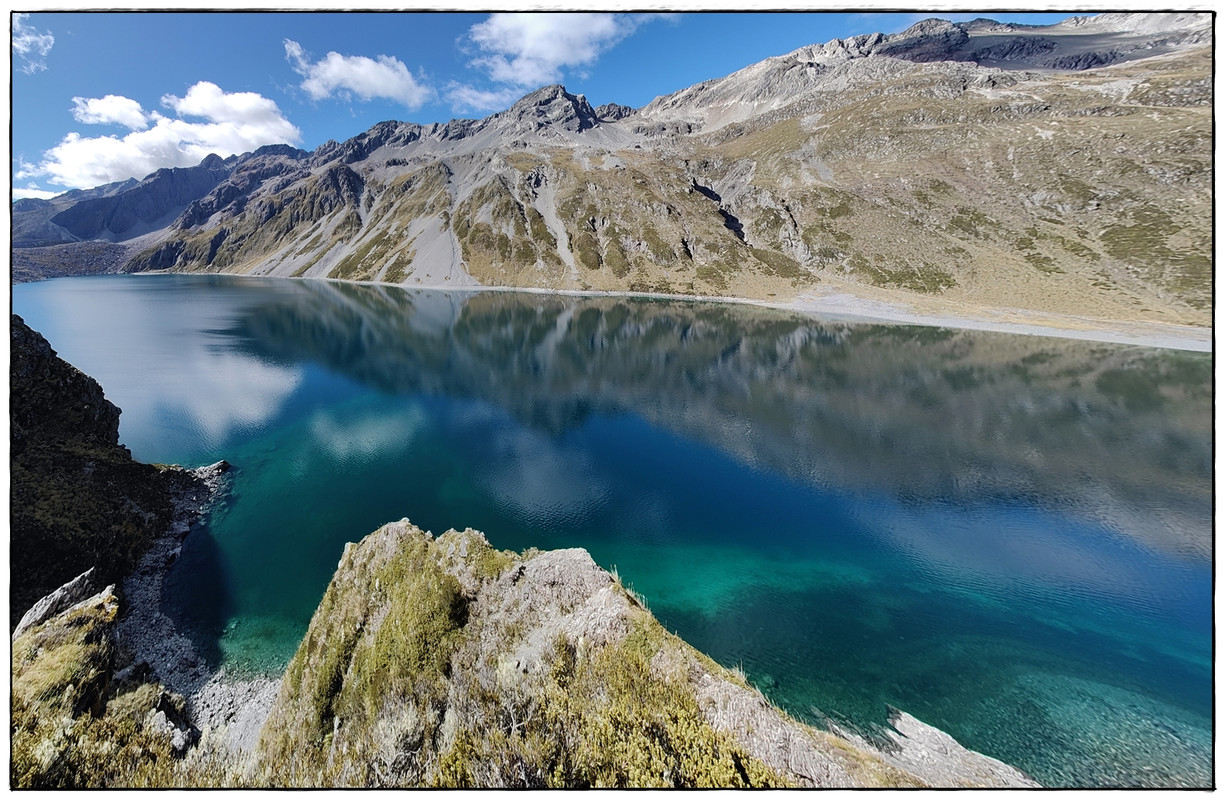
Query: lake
(1009,537)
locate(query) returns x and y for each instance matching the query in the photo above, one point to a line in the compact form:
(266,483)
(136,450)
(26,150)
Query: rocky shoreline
(232,708)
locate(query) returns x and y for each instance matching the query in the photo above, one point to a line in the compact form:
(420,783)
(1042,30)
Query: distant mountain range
(1063,168)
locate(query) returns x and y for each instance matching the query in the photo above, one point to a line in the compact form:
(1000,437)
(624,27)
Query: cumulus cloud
(365,78)
(111,109)
(226,123)
(30,45)
(530,49)
(527,50)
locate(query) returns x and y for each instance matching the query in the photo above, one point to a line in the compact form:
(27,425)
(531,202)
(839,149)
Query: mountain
(1063,168)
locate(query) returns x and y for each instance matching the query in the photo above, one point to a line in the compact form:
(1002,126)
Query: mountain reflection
(920,414)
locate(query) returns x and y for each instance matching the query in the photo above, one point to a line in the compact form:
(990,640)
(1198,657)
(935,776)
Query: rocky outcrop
(77,590)
(611,112)
(550,108)
(76,722)
(444,662)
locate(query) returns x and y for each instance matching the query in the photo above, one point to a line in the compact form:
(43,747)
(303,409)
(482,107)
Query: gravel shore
(233,707)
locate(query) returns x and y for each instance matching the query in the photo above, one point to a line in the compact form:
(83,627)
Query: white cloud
(232,123)
(32,190)
(530,49)
(30,45)
(526,50)
(231,108)
(367,78)
(111,109)
(469,99)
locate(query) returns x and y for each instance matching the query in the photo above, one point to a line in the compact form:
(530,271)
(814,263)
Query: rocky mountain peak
(611,112)
(280,150)
(552,106)
(929,40)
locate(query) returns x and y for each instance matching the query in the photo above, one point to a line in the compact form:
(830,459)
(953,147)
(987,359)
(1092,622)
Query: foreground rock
(444,662)
(75,723)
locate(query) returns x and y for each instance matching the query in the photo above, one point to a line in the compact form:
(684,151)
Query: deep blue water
(1008,537)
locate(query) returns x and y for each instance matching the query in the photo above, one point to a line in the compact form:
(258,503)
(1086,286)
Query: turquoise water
(1008,537)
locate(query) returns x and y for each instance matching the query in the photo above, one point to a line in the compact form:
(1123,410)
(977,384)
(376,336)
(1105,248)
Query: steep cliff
(78,498)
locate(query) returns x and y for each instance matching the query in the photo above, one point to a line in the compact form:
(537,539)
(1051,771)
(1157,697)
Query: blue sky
(100,97)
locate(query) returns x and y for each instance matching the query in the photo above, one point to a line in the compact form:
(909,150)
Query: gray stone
(70,594)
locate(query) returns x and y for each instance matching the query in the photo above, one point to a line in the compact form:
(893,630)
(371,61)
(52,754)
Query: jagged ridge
(978,161)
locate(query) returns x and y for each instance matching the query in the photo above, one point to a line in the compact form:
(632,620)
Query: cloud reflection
(171,383)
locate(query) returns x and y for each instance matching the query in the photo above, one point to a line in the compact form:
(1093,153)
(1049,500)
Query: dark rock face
(78,498)
(52,399)
(30,204)
(929,40)
(231,195)
(390,133)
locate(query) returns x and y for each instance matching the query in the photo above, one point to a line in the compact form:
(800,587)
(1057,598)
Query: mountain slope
(1064,168)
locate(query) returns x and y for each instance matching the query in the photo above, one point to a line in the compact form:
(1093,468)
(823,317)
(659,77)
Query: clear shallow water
(1008,537)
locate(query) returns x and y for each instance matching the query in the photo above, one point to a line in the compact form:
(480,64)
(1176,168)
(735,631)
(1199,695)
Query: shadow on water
(200,572)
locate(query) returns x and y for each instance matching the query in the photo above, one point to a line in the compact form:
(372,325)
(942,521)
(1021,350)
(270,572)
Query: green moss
(713,276)
(660,252)
(398,271)
(363,263)
(540,232)
(925,277)
(1078,249)
(1042,263)
(609,719)
(614,255)
(66,734)
(971,222)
